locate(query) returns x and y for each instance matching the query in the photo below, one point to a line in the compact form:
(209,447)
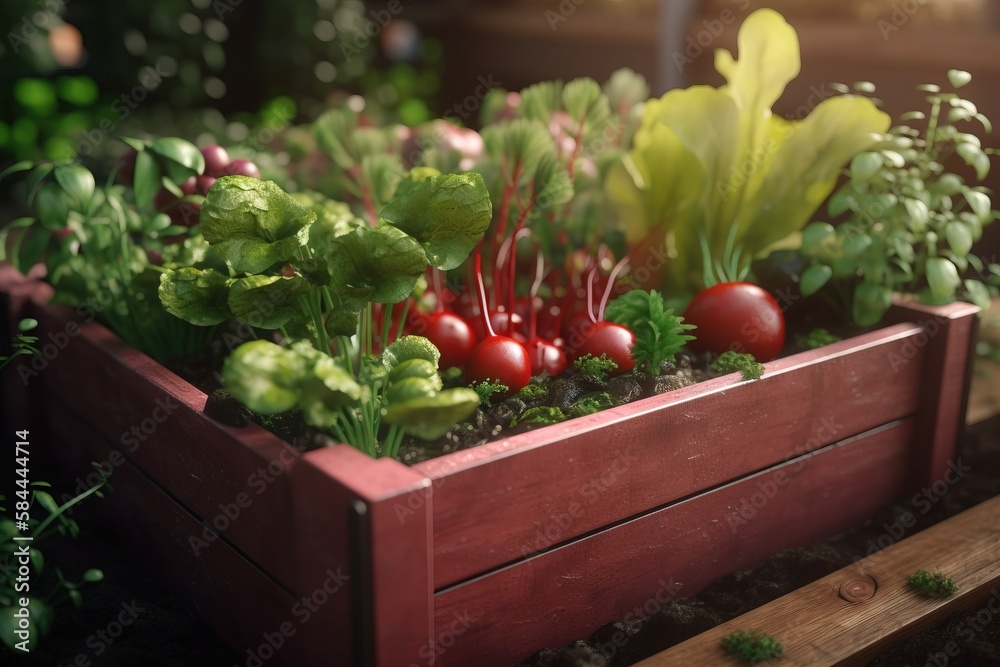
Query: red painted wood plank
(236,479)
(373,518)
(949,339)
(506,500)
(235,598)
(567,593)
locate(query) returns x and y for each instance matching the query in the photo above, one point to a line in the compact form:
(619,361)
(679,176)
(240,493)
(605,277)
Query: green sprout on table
(752,646)
(932,584)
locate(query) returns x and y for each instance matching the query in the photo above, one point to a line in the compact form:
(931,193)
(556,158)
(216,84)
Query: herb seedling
(487,389)
(659,334)
(932,584)
(752,646)
(41,606)
(907,223)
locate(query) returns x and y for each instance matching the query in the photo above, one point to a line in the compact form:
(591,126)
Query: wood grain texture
(948,339)
(495,504)
(155,421)
(235,598)
(632,569)
(819,628)
(371,519)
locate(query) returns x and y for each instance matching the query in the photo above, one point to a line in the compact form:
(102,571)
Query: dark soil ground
(967,639)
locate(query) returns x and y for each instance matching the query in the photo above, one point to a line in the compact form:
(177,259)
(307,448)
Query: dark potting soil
(966,639)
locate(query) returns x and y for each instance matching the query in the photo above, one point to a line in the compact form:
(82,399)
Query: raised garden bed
(487,555)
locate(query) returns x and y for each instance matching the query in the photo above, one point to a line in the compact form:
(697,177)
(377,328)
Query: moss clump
(540,415)
(733,362)
(818,337)
(595,367)
(532,392)
(486,390)
(591,403)
(932,584)
(752,646)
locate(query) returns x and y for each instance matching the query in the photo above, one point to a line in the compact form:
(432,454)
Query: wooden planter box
(484,556)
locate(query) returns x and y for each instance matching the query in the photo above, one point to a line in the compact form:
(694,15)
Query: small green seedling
(486,390)
(932,584)
(752,646)
(731,362)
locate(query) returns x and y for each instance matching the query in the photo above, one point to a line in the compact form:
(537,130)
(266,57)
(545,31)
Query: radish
(545,355)
(450,333)
(596,336)
(498,358)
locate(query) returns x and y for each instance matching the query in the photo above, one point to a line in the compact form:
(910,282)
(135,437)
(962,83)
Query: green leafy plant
(659,334)
(322,278)
(595,367)
(818,337)
(907,222)
(932,584)
(22,343)
(720,163)
(105,247)
(42,606)
(752,646)
(737,362)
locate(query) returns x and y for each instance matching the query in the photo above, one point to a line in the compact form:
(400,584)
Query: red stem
(369,204)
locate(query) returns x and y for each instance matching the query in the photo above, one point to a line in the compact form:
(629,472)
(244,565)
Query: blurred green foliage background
(77,73)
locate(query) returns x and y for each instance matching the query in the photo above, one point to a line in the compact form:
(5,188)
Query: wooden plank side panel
(559,596)
(236,478)
(562,481)
(949,339)
(370,520)
(235,598)
(818,627)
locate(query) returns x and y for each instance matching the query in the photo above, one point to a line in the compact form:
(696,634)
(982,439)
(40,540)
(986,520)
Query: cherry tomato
(737,316)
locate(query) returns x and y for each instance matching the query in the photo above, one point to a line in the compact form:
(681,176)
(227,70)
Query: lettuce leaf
(706,160)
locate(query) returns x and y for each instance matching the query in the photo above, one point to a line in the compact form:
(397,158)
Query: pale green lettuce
(717,162)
